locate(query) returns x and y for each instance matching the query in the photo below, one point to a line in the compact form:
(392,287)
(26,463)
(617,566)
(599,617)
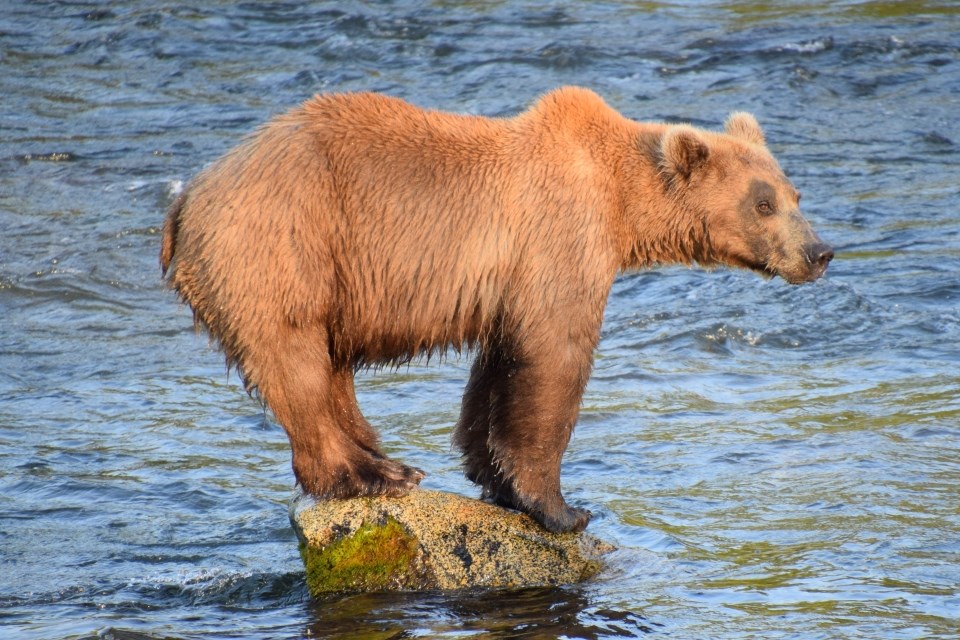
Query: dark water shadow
(526,613)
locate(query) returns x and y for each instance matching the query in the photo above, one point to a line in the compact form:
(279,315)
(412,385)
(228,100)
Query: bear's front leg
(472,433)
(534,403)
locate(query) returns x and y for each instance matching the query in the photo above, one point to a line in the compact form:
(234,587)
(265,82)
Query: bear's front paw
(564,519)
(558,518)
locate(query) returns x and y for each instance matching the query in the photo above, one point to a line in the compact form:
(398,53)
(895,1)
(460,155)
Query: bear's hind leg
(335,453)
(344,400)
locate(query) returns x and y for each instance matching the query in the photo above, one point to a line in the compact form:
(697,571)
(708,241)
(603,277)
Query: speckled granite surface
(434,540)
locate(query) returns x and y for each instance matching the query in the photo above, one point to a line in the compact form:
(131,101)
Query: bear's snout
(819,255)
(816,257)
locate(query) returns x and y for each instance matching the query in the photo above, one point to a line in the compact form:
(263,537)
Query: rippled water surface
(773,461)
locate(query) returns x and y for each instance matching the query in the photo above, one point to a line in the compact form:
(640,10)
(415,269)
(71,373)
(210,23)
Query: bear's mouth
(763,269)
(768,271)
(811,273)
(760,267)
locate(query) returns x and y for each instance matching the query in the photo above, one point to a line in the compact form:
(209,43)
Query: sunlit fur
(358,230)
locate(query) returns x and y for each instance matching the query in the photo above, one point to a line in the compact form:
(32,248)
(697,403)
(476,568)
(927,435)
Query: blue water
(773,461)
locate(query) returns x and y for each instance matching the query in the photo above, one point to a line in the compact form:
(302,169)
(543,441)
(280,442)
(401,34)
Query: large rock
(433,540)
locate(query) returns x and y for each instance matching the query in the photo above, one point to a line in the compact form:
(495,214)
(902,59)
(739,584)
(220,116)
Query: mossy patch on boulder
(376,557)
(434,540)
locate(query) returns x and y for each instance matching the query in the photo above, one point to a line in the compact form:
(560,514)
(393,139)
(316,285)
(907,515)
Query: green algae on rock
(433,540)
(376,557)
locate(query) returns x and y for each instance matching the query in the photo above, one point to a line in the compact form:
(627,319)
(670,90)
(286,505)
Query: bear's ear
(742,125)
(684,150)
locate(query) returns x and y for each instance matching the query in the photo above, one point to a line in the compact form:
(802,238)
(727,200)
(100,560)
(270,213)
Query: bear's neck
(655,223)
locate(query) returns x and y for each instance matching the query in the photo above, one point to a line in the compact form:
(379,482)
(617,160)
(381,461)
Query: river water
(773,461)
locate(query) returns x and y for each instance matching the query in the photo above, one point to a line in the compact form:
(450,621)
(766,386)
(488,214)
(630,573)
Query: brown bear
(358,230)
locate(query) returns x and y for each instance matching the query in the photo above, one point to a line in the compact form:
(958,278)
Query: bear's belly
(398,337)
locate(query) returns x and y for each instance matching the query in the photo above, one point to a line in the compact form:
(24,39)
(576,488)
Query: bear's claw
(561,518)
(565,519)
(369,476)
(394,478)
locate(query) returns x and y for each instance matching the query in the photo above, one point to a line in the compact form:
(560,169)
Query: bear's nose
(820,254)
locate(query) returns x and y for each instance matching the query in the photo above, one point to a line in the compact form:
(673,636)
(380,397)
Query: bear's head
(748,209)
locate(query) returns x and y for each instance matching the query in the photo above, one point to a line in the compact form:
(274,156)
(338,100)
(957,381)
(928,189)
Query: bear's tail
(171,226)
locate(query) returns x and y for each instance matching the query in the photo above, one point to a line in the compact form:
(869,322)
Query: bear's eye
(764,208)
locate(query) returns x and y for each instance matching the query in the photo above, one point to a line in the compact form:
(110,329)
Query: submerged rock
(433,540)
